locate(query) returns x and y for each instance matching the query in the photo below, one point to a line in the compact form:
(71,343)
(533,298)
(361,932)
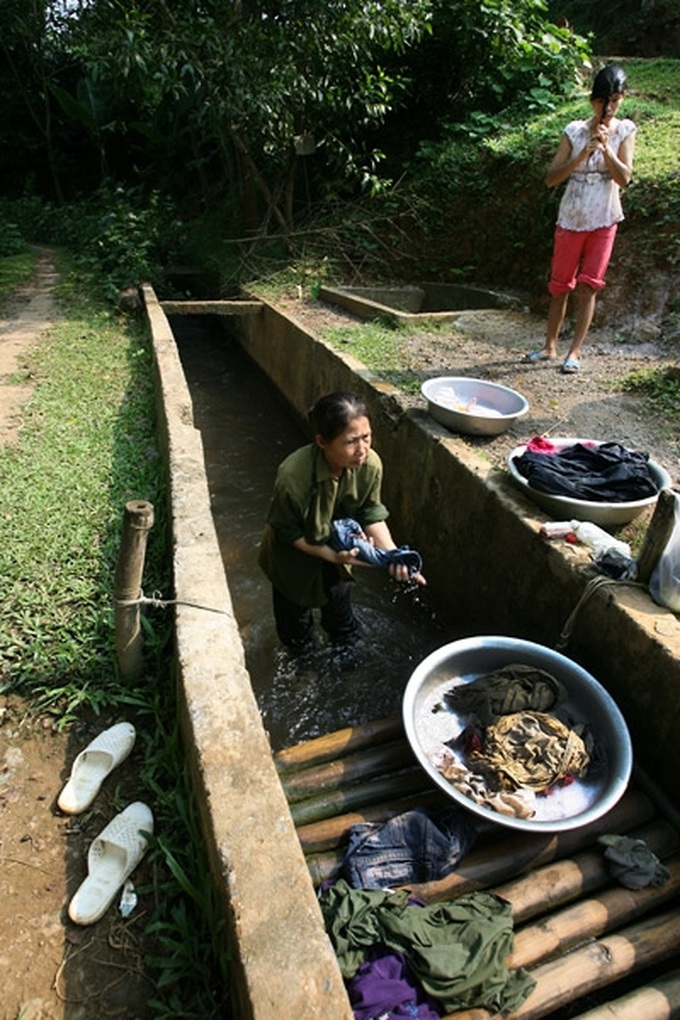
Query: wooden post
(658,533)
(127,587)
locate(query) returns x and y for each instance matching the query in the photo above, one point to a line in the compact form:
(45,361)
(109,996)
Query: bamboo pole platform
(597,950)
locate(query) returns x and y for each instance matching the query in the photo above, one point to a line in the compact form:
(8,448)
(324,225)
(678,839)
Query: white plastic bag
(664,584)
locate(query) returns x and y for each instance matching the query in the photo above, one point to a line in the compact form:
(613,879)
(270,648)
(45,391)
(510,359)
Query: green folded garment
(457,950)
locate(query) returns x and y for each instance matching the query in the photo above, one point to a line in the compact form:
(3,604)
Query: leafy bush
(11,241)
(119,236)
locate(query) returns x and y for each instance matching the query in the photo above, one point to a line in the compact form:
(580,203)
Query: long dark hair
(332,414)
(607,81)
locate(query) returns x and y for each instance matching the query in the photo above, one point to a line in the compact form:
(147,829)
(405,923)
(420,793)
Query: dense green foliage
(634,27)
(200,99)
(177,136)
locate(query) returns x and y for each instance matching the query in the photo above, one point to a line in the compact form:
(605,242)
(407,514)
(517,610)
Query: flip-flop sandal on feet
(570,366)
(111,859)
(534,356)
(93,765)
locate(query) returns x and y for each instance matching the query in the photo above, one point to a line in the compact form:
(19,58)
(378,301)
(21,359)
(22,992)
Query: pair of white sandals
(120,846)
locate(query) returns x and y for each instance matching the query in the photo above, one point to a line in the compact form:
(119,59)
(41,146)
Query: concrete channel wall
(283,963)
(488,571)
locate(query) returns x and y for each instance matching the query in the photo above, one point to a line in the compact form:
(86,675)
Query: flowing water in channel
(247,430)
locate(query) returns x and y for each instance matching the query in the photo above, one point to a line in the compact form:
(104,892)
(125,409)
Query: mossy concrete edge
(283,964)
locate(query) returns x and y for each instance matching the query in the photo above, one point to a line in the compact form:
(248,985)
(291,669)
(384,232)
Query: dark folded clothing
(608,473)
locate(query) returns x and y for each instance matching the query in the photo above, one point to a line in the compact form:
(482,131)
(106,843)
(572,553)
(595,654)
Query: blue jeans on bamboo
(411,847)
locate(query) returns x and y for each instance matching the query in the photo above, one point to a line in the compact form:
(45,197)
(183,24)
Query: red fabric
(580,256)
(537,444)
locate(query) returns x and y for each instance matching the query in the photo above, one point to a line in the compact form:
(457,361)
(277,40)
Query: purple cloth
(383,987)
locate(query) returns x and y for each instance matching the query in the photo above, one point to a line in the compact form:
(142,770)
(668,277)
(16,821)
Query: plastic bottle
(597,538)
(555,529)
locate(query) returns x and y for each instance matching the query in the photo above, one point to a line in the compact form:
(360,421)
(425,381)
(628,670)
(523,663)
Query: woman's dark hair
(332,414)
(608,80)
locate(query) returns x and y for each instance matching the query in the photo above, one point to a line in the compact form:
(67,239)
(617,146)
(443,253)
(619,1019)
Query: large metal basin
(566,508)
(587,702)
(473,406)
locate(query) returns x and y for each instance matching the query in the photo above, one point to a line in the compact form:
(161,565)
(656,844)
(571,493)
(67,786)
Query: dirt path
(52,969)
(491,345)
(28,317)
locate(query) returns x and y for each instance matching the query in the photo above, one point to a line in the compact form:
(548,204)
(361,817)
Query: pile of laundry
(599,473)
(513,747)
(120,846)
(401,957)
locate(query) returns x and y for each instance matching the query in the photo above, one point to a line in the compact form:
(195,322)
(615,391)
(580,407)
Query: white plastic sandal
(111,859)
(93,765)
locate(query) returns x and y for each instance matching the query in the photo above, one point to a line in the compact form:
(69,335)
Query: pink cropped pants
(580,256)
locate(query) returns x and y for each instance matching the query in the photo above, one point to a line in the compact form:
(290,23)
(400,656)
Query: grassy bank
(87,445)
(14,270)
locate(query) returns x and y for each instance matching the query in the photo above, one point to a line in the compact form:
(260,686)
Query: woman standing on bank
(595,157)
(337,476)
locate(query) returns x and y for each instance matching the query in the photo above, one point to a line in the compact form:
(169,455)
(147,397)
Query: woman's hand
(324,552)
(399,572)
(346,556)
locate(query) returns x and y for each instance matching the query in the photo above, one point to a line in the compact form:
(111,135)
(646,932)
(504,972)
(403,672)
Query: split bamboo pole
(343,772)
(341,742)
(127,587)
(374,791)
(564,881)
(589,919)
(658,1000)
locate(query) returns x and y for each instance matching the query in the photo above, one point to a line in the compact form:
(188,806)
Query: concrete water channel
(246,431)
(488,572)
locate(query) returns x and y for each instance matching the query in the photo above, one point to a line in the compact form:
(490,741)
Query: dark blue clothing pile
(608,473)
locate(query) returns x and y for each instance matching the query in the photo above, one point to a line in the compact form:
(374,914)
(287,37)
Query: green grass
(87,446)
(660,390)
(381,347)
(15,270)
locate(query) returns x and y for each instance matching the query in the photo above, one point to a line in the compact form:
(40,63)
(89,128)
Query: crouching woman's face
(350,448)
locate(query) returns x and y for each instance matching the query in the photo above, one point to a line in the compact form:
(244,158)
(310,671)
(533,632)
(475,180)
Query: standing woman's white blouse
(591,198)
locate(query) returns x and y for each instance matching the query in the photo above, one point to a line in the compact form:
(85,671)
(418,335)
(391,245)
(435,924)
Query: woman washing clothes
(336,477)
(595,157)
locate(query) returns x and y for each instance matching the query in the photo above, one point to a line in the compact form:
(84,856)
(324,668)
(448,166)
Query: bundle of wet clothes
(347,534)
(401,957)
(604,473)
(513,748)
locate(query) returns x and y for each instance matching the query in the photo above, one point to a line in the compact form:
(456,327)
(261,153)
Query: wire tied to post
(156,601)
